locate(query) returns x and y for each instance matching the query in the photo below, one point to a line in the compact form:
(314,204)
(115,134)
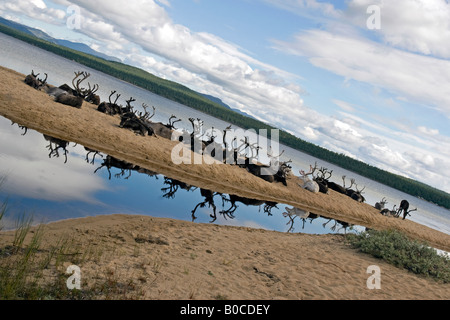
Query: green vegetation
(29,271)
(397,249)
(190,98)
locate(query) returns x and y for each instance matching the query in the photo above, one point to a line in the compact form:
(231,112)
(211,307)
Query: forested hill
(190,98)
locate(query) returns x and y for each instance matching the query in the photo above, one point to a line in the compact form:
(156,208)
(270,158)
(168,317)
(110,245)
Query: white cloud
(199,60)
(306,7)
(416,77)
(428,131)
(36,9)
(344,105)
(421,26)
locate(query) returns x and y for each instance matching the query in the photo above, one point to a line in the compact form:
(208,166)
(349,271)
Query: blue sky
(311,67)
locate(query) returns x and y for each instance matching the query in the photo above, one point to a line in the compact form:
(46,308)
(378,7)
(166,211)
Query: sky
(366,78)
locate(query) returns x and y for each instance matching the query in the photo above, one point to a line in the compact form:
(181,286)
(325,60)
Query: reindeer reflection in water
(124,166)
(229,213)
(268,206)
(56,144)
(174,186)
(293,213)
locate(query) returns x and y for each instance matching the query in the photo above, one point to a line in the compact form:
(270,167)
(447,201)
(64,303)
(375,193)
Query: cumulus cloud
(420,26)
(199,60)
(36,9)
(419,78)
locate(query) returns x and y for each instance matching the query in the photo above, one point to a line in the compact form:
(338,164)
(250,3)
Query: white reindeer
(307,183)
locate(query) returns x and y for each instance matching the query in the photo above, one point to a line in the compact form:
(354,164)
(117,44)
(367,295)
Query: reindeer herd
(244,155)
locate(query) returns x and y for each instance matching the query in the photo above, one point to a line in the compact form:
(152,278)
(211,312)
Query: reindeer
(308,183)
(380,205)
(293,213)
(195,142)
(33,81)
(404,206)
(138,123)
(87,94)
(389,213)
(111,108)
(89,151)
(355,195)
(358,195)
(322,179)
(70,100)
(336,187)
(75,96)
(213,148)
(266,172)
(160,129)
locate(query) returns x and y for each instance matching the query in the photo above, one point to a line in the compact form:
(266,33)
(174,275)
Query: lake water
(54,190)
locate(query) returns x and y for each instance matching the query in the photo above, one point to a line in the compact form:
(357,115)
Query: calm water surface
(55,190)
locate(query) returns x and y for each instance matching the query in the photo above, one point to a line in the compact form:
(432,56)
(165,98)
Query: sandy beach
(179,260)
(169,259)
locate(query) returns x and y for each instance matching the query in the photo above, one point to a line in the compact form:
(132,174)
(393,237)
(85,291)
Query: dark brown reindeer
(139,123)
(70,100)
(355,194)
(75,96)
(337,187)
(164,130)
(322,179)
(403,208)
(111,108)
(87,94)
(33,81)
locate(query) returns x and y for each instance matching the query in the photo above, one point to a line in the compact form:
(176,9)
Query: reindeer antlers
(147,115)
(83,75)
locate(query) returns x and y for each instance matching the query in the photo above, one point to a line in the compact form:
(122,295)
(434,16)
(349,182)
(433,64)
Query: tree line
(183,95)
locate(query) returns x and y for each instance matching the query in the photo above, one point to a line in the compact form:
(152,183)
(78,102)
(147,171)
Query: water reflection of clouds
(24,162)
